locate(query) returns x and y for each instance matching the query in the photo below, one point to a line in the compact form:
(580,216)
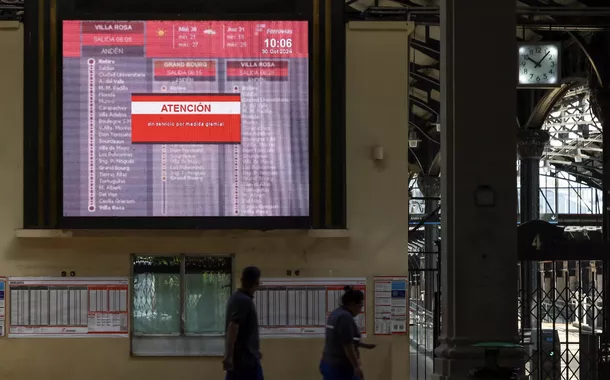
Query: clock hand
(535,63)
(539,63)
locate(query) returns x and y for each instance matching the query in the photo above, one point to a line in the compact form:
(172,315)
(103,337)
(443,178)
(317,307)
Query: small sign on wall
(2,305)
(391,305)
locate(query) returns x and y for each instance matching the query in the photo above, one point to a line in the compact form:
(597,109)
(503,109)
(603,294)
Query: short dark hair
(351,296)
(250,275)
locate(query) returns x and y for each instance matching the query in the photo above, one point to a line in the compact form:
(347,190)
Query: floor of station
(421,366)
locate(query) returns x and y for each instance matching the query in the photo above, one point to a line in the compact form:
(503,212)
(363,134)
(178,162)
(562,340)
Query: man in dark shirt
(242,350)
(341,357)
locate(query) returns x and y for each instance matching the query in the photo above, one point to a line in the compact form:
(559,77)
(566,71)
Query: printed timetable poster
(391,305)
(68,307)
(2,305)
(299,307)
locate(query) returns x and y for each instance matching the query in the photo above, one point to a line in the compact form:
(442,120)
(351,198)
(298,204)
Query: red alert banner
(186,118)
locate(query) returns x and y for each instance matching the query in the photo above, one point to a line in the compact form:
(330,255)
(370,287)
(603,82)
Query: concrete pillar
(479,195)
(530,145)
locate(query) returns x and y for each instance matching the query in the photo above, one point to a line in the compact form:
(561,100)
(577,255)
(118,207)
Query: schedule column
(113,54)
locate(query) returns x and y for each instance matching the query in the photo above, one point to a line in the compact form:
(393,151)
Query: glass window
(207,290)
(547,201)
(563,201)
(178,297)
(156,295)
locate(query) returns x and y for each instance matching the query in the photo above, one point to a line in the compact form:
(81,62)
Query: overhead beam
(589,180)
(429,48)
(425,81)
(429,107)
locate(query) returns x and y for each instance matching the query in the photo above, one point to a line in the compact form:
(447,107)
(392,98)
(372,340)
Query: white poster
(391,305)
(68,307)
(299,307)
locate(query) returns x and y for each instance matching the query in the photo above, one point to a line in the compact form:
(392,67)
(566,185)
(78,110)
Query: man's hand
(227,363)
(358,373)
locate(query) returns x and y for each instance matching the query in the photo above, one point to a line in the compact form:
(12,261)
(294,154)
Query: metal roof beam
(589,180)
(429,107)
(430,83)
(419,121)
(431,48)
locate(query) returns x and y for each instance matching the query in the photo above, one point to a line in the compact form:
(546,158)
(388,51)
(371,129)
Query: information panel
(68,307)
(391,305)
(185,118)
(2,305)
(299,307)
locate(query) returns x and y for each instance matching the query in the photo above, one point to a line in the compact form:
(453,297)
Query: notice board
(68,307)
(391,305)
(2,305)
(299,307)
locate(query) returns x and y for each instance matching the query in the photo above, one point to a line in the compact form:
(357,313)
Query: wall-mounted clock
(539,64)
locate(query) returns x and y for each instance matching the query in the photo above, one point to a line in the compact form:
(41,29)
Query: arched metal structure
(576,144)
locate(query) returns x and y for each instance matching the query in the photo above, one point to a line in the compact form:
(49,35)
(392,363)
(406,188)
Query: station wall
(378,222)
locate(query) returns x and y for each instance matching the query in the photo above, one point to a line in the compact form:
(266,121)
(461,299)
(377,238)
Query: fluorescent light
(546,166)
(578,157)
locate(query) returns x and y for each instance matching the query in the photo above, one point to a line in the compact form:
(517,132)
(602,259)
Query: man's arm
(367,346)
(350,352)
(237,311)
(232,330)
(346,333)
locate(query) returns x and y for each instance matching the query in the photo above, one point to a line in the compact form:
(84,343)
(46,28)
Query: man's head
(250,279)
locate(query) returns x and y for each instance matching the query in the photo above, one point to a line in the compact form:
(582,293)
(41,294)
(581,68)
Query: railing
(585,315)
(580,310)
(422,328)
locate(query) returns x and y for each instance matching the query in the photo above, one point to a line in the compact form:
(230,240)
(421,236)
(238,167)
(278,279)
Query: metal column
(431,188)
(601,99)
(530,144)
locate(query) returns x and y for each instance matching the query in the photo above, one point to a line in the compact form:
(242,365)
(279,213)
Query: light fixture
(413,139)
(546,166)
(578,156)
(437,126)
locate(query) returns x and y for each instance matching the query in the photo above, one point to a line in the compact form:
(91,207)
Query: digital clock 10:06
(277,43)
(538,64)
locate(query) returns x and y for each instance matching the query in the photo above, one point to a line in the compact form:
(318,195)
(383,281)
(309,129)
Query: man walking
(242,359)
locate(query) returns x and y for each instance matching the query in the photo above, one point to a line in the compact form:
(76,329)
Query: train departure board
(185,118)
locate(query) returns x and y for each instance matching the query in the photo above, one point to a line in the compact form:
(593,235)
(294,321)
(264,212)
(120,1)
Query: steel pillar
(530,144)
(431,188)
(601,100)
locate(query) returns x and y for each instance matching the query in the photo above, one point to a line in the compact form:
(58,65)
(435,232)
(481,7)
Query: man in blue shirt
(341,357)
(242,359)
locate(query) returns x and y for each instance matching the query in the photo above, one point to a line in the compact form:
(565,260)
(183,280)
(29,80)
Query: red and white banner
(186,118)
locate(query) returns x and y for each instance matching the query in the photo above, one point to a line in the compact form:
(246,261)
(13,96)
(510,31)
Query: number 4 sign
(536,239)
(537,243)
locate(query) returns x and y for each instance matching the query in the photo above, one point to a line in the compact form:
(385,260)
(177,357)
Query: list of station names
(107,174)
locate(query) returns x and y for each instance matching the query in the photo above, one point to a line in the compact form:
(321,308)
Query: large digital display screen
(185,118)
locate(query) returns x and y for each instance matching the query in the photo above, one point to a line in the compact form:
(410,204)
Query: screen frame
(174,223)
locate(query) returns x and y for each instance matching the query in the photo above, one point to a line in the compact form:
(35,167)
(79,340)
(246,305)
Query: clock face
(538,64)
